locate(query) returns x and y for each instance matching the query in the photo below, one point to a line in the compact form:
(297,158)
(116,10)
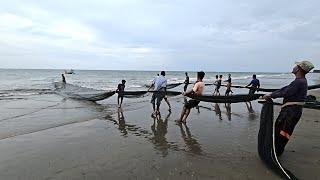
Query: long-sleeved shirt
(296,91)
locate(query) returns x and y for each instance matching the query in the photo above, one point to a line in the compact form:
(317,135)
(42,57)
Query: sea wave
(24,92)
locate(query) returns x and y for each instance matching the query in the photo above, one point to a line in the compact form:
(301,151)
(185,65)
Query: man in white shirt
(197,89)
(160,88)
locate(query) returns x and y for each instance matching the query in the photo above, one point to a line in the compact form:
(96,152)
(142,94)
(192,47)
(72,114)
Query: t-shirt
(121,87)
(296,91)
(198,88)
(255,82)
(160,83)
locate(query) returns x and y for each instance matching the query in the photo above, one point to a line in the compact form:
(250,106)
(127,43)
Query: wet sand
(48,137)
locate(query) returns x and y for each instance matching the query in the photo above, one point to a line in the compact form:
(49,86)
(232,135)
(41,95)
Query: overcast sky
(238,35)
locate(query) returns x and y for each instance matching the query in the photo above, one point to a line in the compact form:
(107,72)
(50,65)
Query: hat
(307,66)
(124,80)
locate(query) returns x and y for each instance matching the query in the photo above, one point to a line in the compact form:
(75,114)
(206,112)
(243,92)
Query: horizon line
(140,70)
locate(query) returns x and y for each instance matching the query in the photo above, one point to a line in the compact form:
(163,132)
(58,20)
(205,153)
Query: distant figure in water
(218,85)
(160,88)
(255,84)
(63,78)
(197,89)
(186,83)
(229,83)
(294,96)
(120,91)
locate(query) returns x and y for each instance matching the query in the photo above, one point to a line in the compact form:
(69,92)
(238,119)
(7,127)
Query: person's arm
(289,90)
(151,86)
(286,91)
(249,84)
(118,88)
(193,90)
(188,92)
(258,84)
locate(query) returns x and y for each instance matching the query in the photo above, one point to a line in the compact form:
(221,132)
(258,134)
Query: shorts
(191,104)
(217,88)
(157,97)
(120,94)
(284,126)
(252,90)
(185,87)
(228,91)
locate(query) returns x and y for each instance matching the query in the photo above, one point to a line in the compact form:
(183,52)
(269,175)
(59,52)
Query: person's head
(229,75)
(186,74)
(123,81)
(220,76)
(254,76)
(200,75)
(158,75)
(62,75)
(302,68)
(217,76)
(163,73)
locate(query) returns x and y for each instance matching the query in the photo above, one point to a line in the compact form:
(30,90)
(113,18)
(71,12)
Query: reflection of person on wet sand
(160,129)
(218,110)
(228,109)
(122,123)
(192,144)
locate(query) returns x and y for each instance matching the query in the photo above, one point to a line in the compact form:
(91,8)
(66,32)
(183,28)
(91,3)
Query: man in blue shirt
(160,88)
(255,84)
(294,95)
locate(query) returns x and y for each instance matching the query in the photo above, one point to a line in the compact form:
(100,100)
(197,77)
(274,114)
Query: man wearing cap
(294,95)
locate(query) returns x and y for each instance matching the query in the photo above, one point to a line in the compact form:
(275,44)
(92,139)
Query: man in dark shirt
(255,84)
(294,95)
(186,83)
(120,91)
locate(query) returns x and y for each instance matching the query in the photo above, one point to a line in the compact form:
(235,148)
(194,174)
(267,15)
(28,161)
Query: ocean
(25,82)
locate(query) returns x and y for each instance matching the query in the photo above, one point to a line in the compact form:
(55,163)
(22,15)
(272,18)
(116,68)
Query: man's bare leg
(167,101)
(120,101)
(187,112)
(182,113)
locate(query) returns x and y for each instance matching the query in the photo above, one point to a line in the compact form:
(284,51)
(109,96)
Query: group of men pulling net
(272,137)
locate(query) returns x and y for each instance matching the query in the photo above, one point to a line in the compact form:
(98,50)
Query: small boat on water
(71,71)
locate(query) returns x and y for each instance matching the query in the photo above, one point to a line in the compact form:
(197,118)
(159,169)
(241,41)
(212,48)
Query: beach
(47,136)
(56,138)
